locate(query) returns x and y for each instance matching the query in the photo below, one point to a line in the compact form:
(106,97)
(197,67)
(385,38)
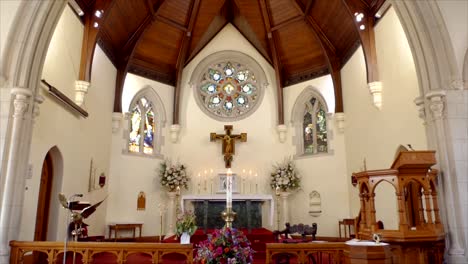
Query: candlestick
(228,215)
(204,180)
(256,183)
(229,189)
(198,182)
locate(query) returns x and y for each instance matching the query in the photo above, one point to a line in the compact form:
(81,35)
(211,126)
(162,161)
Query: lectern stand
(418,212)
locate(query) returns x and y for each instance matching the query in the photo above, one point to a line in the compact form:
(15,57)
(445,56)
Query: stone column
(171,213)
(284,208)
(447,177)
(9,209)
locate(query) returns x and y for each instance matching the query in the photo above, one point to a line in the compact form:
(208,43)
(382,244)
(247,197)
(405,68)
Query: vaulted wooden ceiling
(300,38)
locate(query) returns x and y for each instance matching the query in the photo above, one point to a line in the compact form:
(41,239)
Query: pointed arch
(144,135)
(310,118)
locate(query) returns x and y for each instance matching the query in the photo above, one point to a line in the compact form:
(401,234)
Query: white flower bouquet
(285,176)
(172,176)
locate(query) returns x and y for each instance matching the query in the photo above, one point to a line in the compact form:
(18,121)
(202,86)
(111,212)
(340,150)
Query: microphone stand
(70,200)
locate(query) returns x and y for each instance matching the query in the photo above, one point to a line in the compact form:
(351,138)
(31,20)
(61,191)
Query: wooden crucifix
(229,141)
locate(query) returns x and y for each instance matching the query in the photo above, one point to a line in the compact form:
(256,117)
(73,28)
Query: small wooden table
(127,226)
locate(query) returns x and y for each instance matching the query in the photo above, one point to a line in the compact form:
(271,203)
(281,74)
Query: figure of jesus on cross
(228,143)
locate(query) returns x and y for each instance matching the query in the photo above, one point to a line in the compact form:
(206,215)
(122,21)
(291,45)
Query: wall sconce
(102,180)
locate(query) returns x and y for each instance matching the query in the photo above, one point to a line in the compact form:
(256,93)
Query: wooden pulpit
(415,186)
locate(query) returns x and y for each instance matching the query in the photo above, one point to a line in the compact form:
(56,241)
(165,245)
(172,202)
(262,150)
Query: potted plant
(186,226)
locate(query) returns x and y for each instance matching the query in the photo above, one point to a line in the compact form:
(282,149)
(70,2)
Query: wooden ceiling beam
(217,23)
(331,56)
(181,59)
(129,49)
(287,22)
(90,36)
(272,43)
(366,35)
(170,22)
(309,6)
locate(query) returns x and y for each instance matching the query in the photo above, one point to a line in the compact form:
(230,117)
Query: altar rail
(330,252)
(91,252)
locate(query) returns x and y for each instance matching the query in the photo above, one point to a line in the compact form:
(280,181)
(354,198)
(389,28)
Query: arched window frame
(234,57)
(297,119)
(160,121)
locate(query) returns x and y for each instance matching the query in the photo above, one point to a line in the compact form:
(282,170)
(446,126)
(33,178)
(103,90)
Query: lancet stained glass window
(142,127)
(228,90)
(314,127)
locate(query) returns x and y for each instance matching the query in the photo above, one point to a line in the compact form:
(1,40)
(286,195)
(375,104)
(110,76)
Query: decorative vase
(185,238)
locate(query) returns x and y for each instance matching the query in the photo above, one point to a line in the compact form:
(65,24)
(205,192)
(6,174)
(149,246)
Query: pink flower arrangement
(225,246)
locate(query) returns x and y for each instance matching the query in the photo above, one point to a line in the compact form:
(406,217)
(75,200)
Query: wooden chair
(348,224)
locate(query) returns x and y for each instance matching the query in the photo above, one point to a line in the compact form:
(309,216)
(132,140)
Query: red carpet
(258,238)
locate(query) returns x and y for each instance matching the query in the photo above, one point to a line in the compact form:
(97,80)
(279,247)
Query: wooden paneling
(160,44)
(177,11)
(299,50)
(209,9)
(250,24)
(123,19)
(334,20)
(281,11)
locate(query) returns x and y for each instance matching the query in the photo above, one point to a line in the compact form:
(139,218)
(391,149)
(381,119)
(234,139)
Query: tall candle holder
(277,192)
(228,215)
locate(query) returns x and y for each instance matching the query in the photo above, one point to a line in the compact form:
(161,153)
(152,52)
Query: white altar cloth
(235,197)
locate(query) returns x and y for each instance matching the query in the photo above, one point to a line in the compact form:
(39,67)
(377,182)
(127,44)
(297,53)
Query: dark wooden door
(43,204)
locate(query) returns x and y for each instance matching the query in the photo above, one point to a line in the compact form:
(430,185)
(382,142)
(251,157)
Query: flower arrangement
(226,246)
(186,223)
(173,176)
(285,176)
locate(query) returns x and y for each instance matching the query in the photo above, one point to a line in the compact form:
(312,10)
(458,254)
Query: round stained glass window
(228,90)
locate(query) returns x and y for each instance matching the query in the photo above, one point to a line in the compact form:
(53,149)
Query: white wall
(374,134)
(77,139)
(130,174)
(323,173)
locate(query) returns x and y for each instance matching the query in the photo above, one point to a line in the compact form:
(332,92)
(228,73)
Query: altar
(249,209)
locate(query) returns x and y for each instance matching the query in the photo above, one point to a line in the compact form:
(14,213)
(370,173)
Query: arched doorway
(43,204)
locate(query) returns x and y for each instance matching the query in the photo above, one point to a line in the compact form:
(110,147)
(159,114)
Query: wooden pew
(120,253)
(329,252)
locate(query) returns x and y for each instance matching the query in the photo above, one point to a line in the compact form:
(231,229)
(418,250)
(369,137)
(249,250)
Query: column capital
(174,130)
(20,101)
(375,88)
(419,101)
(116,121)
(436,103)
(281,129)
(340,121)
(21,91)
(81,88)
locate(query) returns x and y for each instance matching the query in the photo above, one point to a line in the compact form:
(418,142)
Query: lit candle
(256,183)
(204,179)
(277,190)
(198,182)
(229,189)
